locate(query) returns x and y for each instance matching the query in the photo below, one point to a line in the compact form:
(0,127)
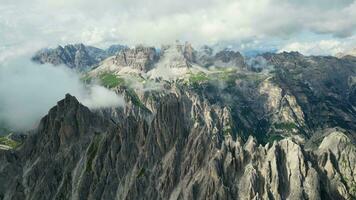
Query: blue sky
(312,27)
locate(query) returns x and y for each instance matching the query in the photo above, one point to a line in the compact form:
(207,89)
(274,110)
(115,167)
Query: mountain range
(196,124)
(77,56)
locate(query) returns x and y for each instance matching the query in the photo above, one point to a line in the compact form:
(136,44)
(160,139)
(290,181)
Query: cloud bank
(29,90)
(322,47)
(160,21)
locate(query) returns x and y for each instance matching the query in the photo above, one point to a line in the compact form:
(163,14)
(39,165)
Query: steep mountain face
(324,87)
(205,56)
(177,57)
(139,59)
(283,128)
(224,58)
(184,151)
(228,58)
(76,56)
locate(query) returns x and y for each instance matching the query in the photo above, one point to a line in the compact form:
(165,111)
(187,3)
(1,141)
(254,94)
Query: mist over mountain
(178,100)
(28,90)
(192,123)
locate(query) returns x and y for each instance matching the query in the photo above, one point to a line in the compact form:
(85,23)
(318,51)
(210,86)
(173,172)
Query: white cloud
(323,47)
(29,90)
(100,97)
(162,21)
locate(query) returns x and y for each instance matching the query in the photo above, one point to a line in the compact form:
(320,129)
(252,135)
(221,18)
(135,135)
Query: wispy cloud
(322,47)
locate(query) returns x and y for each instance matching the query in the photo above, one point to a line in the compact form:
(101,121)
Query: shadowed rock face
(181,152)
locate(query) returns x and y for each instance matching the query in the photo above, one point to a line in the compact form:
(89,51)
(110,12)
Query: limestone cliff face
(281,108)
(135,60)
(320,85)
(177,55)
(183,151)
(141,58)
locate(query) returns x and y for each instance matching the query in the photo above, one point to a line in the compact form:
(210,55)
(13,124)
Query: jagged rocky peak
(189,52)
(67,111)
(137,60)
(181,153)
(229,58)
(68,120)
(141,58)
(114,49)
(77,56)
(178,55)
(74,56)
(207,50)
(205,56)
(284,55)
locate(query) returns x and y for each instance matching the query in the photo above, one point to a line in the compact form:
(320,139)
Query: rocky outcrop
(282,109)
(189,52)
(338,157)
(140,58)
(229,58)
(321,87)
(136,60)
(225,58)
(205,56)
(114,49)
(177,55)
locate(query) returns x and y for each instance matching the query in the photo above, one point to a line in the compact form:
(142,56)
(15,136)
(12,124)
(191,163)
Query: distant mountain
(253,53)
(279,126)
(76,56)
(139,58)
(229,58)
(177,57)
